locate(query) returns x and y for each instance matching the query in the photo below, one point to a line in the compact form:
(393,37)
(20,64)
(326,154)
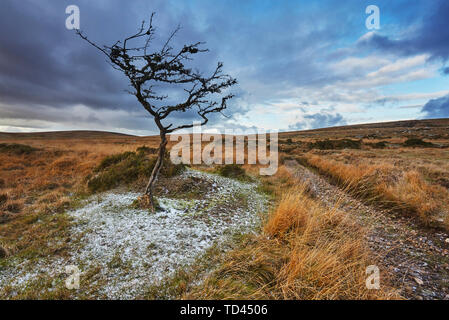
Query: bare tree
(145,70)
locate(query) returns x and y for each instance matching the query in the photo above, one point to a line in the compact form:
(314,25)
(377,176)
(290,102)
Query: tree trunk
(154,174)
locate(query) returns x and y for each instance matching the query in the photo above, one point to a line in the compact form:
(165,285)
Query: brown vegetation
(383,183)
(36,186)
(304,252)
(395,166)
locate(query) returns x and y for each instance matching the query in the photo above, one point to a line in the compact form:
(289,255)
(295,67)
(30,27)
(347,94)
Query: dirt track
(416,259)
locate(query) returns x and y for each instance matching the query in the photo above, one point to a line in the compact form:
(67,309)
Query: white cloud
(416,96)
(366,36)
(400,65)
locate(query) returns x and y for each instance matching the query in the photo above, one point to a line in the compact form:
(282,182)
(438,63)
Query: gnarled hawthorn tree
(145,70)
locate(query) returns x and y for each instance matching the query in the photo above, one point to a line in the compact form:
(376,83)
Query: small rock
(418,281)
(447,240)
(3,252)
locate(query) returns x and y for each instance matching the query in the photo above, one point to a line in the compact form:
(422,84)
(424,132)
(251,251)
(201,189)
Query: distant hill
(431,127)
(390,124)
(405,126)
(56,135)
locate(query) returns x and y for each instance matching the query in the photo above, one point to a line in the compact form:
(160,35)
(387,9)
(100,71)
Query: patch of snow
(135,248)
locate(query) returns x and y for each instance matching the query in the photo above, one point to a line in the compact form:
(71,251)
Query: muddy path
(416,259)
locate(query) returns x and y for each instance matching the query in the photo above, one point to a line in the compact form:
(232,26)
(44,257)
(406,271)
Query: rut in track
(416,259)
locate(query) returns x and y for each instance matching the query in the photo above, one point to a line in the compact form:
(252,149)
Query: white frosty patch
(135,248)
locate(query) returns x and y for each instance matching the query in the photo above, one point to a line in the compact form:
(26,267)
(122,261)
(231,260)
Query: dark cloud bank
(319,120)
(46,70)
(437,108)
(432,38)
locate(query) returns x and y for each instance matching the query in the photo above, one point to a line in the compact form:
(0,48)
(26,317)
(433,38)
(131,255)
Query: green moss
(127,167)
(377,145)
(335,144)
(17,149)
(232,171)
(416,142)
(185,277)
(112,160)
(115,262)
(147,150)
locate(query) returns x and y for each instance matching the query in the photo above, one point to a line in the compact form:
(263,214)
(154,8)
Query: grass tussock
(277,184)
(305,251)
(377,145)
(335,144)
(127,167)
(232,171)
(40,181)
(417,142)
(113,159)
(404,191)
(16,148)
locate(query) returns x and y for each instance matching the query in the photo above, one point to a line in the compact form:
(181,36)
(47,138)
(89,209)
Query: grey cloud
(437,108)
(43,65)
(431,37)
(319,120)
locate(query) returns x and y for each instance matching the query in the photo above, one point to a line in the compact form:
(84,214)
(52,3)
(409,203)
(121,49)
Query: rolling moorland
(343,198)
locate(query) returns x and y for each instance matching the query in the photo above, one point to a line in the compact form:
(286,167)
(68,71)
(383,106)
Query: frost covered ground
(122,250)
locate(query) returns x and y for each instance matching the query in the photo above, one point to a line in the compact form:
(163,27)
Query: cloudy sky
(300,64)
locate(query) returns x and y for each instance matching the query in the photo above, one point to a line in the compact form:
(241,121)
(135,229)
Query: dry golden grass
(305,251)
(40,185)
(388,185)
